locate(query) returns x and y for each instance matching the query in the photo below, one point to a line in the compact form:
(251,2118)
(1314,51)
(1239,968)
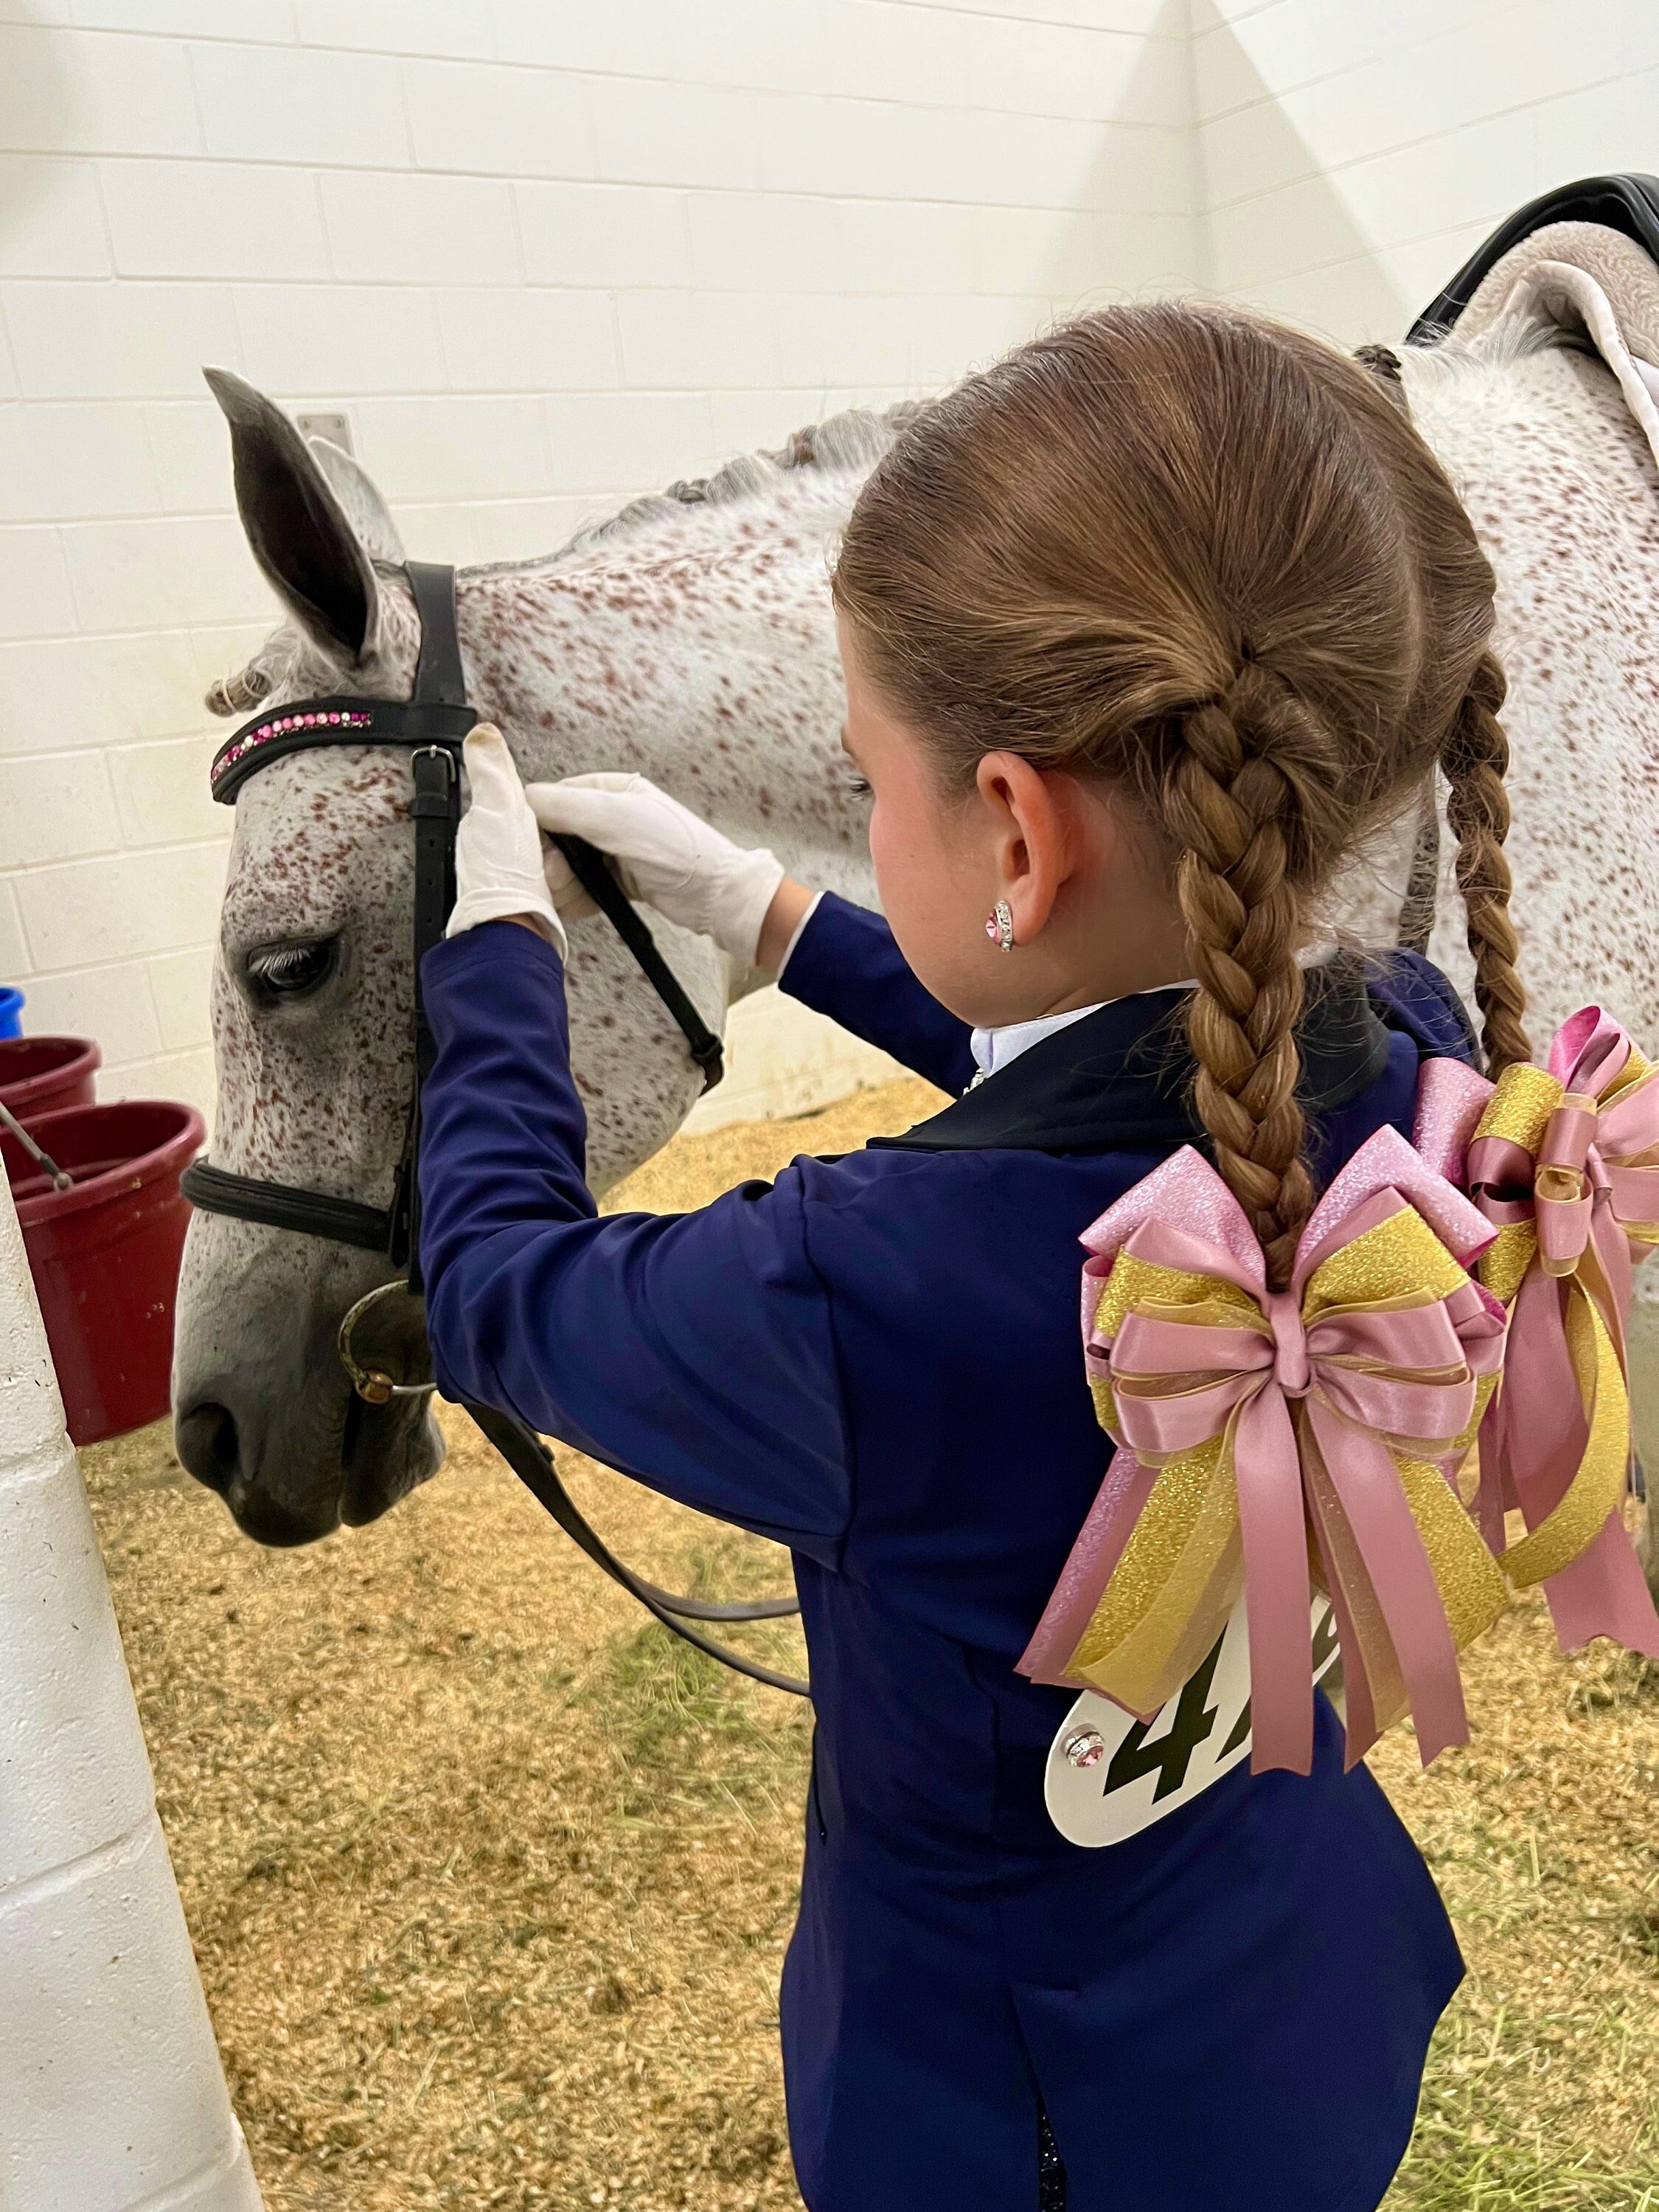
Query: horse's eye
(293,970)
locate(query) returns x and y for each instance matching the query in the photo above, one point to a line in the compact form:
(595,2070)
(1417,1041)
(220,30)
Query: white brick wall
(1353,154)
(547,255)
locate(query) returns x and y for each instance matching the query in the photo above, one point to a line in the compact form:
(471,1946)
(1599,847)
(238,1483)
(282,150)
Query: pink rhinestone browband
(348,718)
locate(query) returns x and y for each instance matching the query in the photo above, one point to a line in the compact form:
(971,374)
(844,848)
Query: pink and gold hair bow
(1565,1163)
(1245,1416)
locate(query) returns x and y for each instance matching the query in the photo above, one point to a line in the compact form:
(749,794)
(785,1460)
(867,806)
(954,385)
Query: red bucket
(39,1074)
(104,1254)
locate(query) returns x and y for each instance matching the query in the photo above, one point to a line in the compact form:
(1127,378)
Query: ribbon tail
(1362,1727)
(1571,1439)
(1273,1522)
(1088,1569)
(1168,1596)
(1603,1592)
(1376,1691)
(1613,1273)
(1372,1499)
(1544,1423)
(1595,1585)
(1492,1496)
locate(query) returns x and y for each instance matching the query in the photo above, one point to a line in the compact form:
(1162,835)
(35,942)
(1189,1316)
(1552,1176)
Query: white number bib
(1110,1775)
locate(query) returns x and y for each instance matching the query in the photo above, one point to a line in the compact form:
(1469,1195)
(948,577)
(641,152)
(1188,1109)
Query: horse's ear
(360,496)
(296,527)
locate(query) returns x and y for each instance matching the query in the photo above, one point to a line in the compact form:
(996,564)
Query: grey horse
(691,638)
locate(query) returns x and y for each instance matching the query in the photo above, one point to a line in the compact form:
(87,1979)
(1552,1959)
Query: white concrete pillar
(112,2096)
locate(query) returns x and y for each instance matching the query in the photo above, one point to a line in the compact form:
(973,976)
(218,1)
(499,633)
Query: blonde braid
(1474,757)
(1232,801)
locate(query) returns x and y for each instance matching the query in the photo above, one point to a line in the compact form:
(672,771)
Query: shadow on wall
(1154,258)
(1273,229)
(42,117)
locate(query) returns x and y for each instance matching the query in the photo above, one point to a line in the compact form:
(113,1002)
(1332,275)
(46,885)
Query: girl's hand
(665,856)
(498,849)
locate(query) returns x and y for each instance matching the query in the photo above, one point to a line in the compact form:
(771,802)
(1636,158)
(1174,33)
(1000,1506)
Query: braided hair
(1473,756)
(1208,561)
(1230,799)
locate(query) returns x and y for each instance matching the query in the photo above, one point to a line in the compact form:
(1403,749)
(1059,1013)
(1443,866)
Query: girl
(1144,629)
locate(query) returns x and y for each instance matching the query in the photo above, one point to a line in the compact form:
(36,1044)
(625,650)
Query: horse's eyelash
(294,970)
(859,786)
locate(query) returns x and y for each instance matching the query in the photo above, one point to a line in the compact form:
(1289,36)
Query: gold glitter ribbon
(1576,1299)
(1181,1570)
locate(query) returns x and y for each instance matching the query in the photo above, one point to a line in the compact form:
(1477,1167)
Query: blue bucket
(11,1010)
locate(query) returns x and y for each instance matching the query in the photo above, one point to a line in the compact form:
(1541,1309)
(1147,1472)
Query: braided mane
(855,439)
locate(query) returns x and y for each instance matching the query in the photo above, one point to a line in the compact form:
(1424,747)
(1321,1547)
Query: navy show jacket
(874,1360)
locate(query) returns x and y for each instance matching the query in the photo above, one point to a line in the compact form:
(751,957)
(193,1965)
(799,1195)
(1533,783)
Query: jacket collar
(1122,1079)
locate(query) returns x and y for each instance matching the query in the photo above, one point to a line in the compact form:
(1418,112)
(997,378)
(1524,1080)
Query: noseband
(431,726)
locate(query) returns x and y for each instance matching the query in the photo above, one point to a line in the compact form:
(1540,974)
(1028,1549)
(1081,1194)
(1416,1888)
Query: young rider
(1145,630)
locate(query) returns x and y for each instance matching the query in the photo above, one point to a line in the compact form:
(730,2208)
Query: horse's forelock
(270,672)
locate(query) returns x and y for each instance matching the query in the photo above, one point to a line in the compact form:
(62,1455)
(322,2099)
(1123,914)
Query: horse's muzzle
(292,1472)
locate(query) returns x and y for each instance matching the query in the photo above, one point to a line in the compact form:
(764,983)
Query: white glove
(498,849)
(666,856)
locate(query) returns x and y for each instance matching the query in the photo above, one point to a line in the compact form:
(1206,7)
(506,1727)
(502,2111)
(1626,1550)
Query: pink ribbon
(1589,1179)
(1314,1407)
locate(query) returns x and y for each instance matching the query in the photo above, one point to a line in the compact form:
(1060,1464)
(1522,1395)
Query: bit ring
(372,1385)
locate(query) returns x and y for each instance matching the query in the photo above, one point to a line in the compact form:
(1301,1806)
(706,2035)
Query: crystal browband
(303,724)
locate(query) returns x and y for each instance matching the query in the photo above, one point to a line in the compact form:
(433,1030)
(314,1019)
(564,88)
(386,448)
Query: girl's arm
(693,1351)
(844,963)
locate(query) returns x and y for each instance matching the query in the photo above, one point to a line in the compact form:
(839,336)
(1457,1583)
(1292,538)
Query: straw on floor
(490,1882)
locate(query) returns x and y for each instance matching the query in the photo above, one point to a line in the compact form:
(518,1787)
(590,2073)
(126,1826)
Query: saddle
(1583,260)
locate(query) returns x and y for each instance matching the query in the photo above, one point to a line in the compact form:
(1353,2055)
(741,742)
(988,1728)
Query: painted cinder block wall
(112,2097)
(546,254)
(1353,154)
(549,253)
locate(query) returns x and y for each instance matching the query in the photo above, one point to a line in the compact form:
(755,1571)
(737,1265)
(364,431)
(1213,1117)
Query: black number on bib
(1170,1754)
(1324,1644)
(1240,1731)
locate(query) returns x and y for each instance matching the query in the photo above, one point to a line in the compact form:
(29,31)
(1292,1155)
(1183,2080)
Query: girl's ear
(296,527)
(1031,834)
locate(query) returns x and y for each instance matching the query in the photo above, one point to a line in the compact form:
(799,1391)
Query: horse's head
(312,1005)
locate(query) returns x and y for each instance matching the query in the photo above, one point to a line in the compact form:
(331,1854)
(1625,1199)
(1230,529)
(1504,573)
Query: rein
(431,725)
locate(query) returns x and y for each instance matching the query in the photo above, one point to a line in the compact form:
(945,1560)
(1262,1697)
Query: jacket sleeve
(846,964)
(693,1351)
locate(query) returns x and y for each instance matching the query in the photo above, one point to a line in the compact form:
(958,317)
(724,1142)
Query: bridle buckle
(433,794)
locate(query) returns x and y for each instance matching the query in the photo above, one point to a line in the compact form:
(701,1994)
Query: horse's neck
(701,654)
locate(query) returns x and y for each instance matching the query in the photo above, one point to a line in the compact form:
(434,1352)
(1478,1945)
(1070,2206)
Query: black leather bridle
(431,726)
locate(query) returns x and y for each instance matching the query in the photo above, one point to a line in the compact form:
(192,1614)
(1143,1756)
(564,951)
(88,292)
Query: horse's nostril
(205,1439)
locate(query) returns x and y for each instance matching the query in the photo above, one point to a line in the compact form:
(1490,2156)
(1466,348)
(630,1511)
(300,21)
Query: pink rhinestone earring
(999,926)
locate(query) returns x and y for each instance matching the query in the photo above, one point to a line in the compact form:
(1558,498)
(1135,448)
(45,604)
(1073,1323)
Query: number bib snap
(1110,1775)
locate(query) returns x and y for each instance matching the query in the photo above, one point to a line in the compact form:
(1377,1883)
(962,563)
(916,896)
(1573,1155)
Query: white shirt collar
(993,1049)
